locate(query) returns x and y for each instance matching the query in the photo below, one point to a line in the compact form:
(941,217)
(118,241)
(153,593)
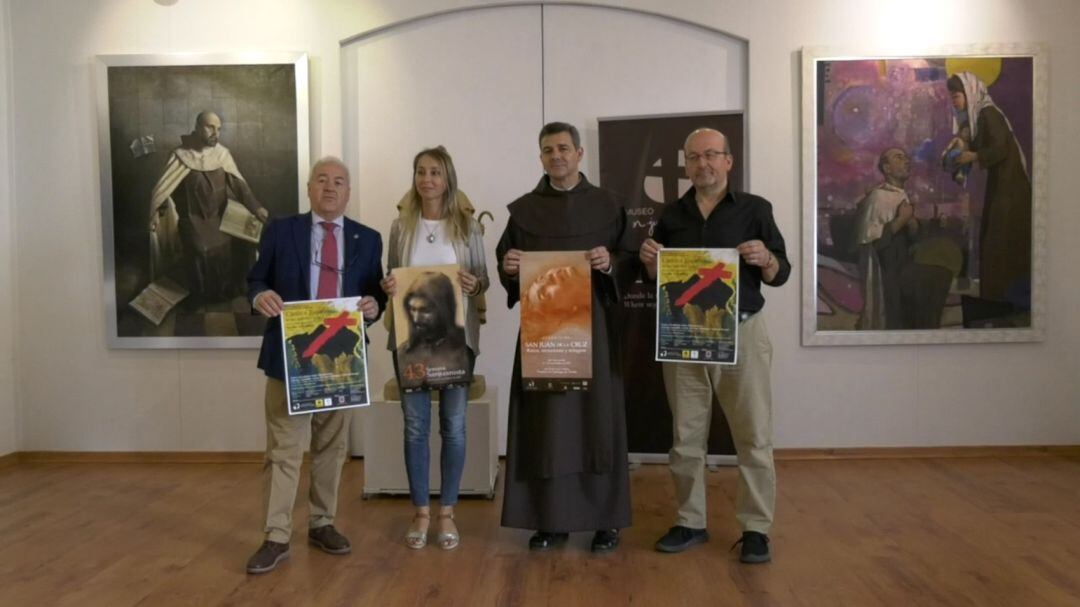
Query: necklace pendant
(431,238)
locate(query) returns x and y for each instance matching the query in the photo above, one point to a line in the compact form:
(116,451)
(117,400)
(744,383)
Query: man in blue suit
(316,255)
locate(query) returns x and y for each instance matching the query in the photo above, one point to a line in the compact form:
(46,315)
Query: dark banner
(641,159)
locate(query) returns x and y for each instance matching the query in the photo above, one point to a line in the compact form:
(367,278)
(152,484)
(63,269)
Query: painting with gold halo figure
(922,177)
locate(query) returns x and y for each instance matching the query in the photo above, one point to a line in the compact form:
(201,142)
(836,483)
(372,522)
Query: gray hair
(326,160)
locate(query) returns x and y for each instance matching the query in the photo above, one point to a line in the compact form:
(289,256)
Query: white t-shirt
(437,253)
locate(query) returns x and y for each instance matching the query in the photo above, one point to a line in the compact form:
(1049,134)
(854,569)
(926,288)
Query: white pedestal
(382,428)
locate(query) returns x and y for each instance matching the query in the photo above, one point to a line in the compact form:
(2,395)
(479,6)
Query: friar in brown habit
(566,464)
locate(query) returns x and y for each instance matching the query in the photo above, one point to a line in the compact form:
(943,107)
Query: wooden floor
(979,532)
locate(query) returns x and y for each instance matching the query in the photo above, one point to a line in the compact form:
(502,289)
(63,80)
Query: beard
(707,179)
(426,333)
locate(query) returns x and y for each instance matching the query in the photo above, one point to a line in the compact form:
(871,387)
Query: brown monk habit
(566,466)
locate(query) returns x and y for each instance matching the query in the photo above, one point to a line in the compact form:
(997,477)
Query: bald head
(708,161)
(204,116)
(207,128)
(895,165)
(705,131)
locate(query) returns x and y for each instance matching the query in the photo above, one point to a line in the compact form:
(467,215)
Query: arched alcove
(483,80)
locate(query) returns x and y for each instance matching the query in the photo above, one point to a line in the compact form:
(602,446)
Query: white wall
(74,393)
(519,54)
(918,395)
(415,70)
(9,419)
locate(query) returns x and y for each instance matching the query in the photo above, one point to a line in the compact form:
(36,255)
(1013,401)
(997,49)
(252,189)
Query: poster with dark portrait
(198,153)
(556,320)
(697,306)
(921,177)
(325,357)
(429,327)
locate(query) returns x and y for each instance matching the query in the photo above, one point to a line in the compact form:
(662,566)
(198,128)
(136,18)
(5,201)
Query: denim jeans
(416,407)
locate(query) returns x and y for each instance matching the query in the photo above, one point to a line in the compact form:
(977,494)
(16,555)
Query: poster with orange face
(556,320)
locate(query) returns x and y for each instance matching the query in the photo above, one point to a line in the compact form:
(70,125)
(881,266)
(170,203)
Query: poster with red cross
(697,306)
(325,358)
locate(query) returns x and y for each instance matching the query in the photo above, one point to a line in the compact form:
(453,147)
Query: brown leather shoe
(267,557)
(327,539)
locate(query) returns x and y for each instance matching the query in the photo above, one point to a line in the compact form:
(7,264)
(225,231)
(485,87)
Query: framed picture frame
(196,152)
(924,179)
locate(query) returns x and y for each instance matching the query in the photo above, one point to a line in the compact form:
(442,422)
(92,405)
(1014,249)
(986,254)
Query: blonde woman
(435,226)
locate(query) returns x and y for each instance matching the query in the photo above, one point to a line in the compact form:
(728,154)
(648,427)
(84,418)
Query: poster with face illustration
(429,328)
(556,320)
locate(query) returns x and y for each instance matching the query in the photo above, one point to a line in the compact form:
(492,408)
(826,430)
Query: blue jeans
(416,407)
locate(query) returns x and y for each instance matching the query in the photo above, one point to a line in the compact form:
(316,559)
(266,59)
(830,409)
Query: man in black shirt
(709,215)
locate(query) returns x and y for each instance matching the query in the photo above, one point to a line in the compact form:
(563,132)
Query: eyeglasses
(322,266)
(709,155)
(316,258)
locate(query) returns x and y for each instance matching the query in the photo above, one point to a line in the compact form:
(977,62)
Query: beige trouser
(745,396)
(285,436)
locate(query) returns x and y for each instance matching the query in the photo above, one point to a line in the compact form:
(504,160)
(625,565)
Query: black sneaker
(679,538)
(755,547)
(267,557)
(327,539)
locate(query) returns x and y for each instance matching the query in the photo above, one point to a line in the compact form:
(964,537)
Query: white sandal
(417,539)
(448,540)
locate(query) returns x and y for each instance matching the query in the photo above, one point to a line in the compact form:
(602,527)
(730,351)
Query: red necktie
(328,275)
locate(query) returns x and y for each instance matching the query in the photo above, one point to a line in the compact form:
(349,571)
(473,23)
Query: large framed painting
(197,154)
(923,195)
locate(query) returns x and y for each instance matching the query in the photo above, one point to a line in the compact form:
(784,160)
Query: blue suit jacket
(284,265)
